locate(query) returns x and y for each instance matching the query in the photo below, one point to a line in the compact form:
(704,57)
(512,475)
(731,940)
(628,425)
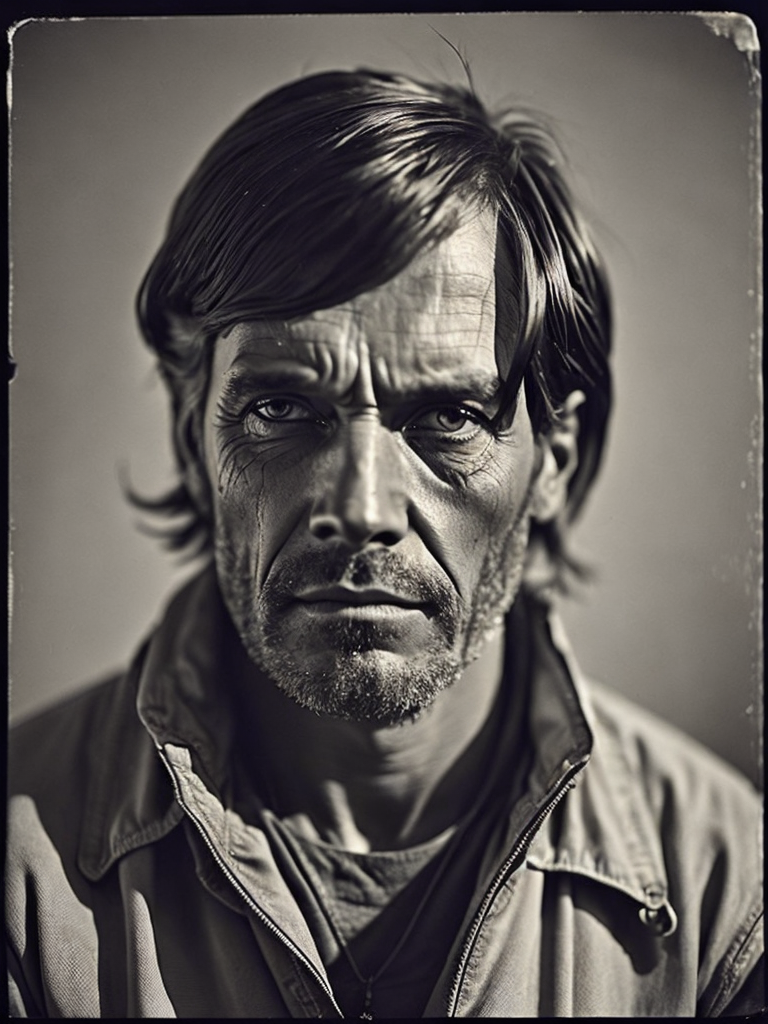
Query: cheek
(257,507)
(480,520)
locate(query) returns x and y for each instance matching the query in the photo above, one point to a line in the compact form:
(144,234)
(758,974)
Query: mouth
(368,600)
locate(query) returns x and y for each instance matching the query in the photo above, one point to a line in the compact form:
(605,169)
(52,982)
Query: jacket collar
(168,695)
(602,829)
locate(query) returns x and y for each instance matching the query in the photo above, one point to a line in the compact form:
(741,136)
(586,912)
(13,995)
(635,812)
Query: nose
(361,498)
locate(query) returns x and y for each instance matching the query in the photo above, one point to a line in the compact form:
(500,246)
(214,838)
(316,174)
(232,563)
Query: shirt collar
(176,684)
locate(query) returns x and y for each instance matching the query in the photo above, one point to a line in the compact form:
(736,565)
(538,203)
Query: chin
(374,686)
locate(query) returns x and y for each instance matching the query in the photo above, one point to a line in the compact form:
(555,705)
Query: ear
(559,459)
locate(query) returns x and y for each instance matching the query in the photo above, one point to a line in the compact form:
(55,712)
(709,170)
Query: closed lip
(356,598)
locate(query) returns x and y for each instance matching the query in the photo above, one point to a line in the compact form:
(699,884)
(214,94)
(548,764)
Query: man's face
(370,525)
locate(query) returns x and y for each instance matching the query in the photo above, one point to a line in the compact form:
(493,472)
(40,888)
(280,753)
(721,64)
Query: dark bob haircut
(329,187)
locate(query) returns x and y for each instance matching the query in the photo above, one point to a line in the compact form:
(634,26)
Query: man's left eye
(455,421)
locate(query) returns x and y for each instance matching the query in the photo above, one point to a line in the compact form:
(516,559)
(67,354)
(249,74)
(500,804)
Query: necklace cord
(324,902)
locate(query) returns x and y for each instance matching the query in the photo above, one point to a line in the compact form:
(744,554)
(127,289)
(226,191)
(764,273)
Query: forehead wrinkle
(451,283)
(272,347)
(347,356)
(430,317)
(436,315)
(444,340)
(324,348)
(468,294)
(471,323)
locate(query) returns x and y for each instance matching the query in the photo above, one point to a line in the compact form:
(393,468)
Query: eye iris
(451,419)
(277,408)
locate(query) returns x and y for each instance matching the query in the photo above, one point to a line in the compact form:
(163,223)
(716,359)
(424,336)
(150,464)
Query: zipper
(242,891)
(566,783)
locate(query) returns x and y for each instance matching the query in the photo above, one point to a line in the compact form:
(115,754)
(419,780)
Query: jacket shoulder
(59,738)
(704,819)
(668,762)
(65,762)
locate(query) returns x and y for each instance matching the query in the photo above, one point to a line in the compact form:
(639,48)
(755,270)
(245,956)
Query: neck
(365,787)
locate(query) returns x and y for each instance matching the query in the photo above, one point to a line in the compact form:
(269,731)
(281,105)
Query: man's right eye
(266,413)
(282,409)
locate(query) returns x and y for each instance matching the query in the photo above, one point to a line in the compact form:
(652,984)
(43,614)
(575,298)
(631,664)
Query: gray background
(658,114)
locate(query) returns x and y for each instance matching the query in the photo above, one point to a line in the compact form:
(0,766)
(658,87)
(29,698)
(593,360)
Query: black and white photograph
(385,505)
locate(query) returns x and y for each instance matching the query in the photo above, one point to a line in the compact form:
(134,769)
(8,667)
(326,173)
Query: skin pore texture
(371,528)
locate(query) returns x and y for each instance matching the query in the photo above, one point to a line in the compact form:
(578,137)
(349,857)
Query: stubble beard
(363,682)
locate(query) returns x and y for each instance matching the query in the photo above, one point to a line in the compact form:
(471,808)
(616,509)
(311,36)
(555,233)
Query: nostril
(326,527)
(386,537)
(324,531)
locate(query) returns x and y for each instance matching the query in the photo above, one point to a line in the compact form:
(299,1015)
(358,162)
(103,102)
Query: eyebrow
(241,383)
(478,387)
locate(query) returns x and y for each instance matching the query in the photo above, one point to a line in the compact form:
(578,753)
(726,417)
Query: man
(355,772)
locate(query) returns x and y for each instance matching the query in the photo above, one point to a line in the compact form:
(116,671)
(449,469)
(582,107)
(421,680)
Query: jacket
(628,882)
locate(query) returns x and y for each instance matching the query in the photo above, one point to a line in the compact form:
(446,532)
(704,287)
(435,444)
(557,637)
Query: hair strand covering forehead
(326,188)
(330,185)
